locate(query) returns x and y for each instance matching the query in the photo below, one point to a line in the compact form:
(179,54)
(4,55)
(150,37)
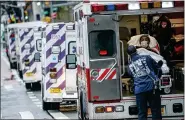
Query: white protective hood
(134,40)
(142,51)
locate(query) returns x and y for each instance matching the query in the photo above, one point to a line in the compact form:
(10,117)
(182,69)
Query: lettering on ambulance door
(103,50)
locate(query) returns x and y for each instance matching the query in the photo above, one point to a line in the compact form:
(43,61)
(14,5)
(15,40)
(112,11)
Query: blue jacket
(144,70)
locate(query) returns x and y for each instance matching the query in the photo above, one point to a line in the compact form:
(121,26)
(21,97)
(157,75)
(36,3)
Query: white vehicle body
(28,51)
(11,44)
(58,65)
(99,79)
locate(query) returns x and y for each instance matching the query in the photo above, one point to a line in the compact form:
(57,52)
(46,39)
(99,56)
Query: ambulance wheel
(46,105)
(82,112)
(20,74)
(15,65)
(36,86)
(55,106)
(28,85)
(11,65)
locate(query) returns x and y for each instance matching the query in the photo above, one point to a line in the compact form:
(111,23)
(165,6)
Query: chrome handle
(122,48)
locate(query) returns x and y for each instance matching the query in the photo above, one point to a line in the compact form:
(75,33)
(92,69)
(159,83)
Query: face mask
(144,44)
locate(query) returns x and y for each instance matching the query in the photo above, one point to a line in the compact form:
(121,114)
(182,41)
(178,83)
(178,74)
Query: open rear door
(104,54)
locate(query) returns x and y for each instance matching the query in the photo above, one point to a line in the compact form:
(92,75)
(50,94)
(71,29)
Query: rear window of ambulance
(102,41)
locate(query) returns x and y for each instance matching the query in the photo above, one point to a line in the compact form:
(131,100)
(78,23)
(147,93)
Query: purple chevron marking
(25,33)
(26,56)
(34,71)
(48,37)
(51,65)
(30,64)
(57,43)
(59,74)
(13,49)
(62,85)
(60,57)
(28,42)
(12,41)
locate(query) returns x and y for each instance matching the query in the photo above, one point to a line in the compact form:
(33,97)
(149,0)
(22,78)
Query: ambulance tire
(50,106)
(28,85)
(55,106)
(15,65)
(20,74)
(83,114)
(11,65)
(36,86)
(46,105)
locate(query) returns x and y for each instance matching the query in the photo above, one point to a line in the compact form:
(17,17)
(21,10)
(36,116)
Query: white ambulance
(11,48)
(28,53)
(99,72)
(58,65)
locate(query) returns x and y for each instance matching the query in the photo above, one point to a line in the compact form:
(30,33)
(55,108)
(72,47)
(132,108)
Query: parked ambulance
(11,48)
(28,53)
(59,66)
(99,58)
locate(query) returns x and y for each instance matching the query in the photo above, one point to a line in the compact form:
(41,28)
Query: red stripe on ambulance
(103,74)
(112,75)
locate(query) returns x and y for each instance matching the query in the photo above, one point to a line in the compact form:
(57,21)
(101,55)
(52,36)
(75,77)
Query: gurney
(165,82)
(154,46)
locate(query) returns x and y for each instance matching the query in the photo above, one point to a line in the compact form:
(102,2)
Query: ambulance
(59,66)
(102,29)
(28,52)
(11,48)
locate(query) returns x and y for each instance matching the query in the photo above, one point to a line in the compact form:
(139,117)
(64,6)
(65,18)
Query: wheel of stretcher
(167,90)
(28,85)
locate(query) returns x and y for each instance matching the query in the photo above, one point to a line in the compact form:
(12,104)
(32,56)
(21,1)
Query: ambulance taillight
(27,62)
(103,52)
(53,73)
(109,109)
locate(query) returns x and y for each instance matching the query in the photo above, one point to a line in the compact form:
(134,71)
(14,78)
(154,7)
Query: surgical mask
(144,44)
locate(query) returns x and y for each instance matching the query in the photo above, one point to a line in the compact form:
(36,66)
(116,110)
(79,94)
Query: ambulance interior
(131,25)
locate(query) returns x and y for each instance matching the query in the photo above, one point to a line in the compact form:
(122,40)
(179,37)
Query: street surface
(18,103)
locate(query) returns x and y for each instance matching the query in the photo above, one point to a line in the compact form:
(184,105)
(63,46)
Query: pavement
(18,103)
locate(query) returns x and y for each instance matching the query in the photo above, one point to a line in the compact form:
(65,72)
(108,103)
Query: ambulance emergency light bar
(167,4)
(130,6)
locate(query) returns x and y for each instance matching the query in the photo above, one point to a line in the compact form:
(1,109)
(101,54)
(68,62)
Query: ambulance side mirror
(71,61)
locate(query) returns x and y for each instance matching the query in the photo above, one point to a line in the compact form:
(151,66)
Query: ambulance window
(72,47)
(102,43)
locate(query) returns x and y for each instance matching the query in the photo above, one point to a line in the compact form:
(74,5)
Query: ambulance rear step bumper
(70,96)
(64,107)
(31,81)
